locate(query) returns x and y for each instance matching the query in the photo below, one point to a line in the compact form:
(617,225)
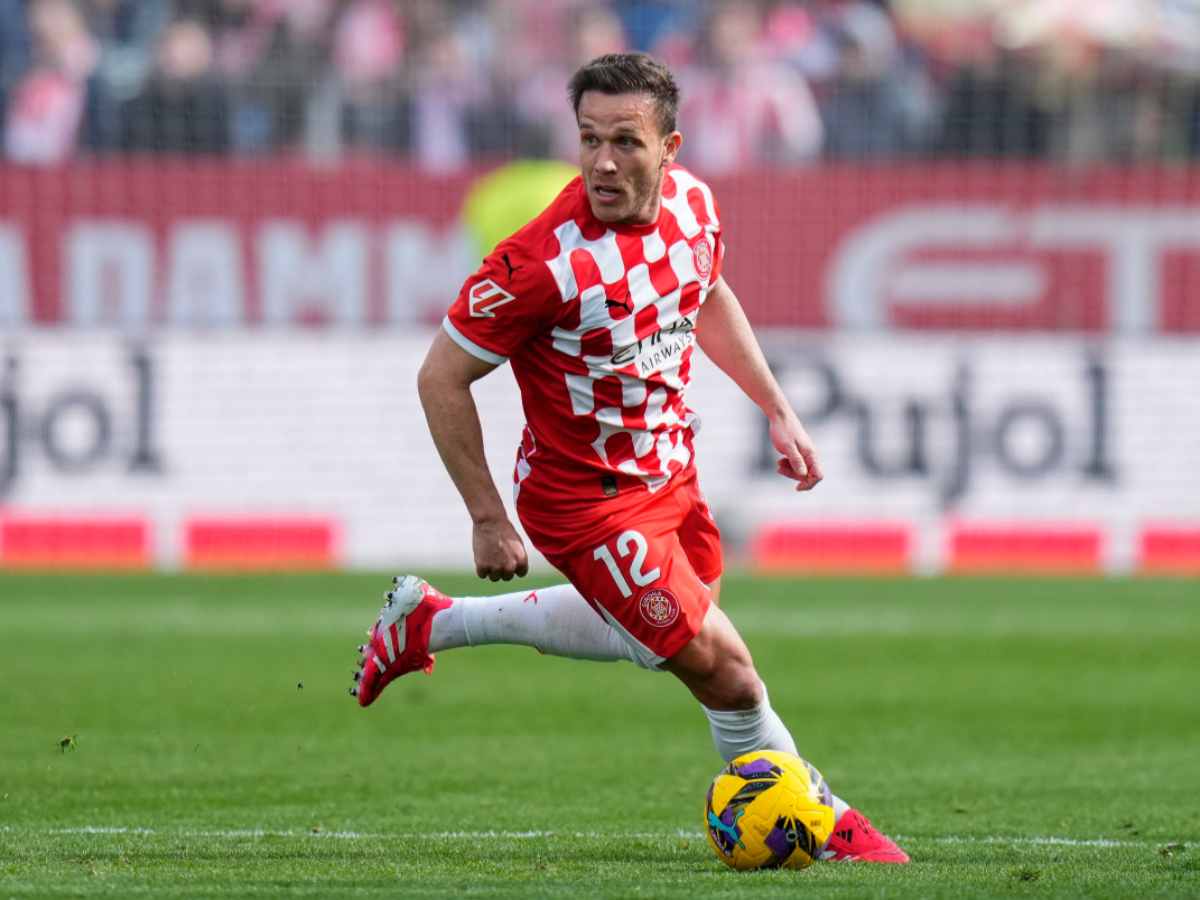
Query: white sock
(555,620)
(738,731)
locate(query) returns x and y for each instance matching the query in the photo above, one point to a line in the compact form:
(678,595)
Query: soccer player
(597,304)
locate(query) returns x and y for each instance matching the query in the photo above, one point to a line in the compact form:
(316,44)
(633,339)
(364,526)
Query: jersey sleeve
(509,300)
(718,258)
(718,245)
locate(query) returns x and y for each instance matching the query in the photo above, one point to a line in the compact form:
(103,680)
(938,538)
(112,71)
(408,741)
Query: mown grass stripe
(1030,840)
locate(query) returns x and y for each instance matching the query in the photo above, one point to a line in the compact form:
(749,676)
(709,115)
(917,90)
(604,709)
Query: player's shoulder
(538,241)
(519,267)
(684,177)
(684,186)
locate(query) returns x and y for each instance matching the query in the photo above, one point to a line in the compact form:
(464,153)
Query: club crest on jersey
(659,607)
(702,257)
(485,296)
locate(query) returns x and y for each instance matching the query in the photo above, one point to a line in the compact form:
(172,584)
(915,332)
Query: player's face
(622,155)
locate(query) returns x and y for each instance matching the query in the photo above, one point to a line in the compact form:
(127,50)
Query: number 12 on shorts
(629,542)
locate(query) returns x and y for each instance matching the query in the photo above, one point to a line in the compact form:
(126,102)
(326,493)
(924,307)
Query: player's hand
(499,551)
(798,459)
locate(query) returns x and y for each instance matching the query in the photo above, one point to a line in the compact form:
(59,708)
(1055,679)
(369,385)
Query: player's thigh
(640,580)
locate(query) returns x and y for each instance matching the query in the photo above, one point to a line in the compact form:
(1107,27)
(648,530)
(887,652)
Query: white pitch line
(1026,840)
(1035,841)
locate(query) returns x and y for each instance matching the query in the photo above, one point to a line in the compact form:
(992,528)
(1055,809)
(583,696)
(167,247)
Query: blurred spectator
(368,54)
(184,107)
(1105,106)
(874,105)
(452,83)
(739,106)
(796,33)
(445,85)
(591,31)
(652,25)
(14,48)
(47,104)
(128,32)
(991,109)
(513,40)
(272,55)
(464,108)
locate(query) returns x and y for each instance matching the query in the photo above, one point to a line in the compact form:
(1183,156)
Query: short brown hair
(629,73)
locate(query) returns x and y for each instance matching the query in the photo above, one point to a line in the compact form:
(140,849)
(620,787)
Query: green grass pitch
(1020,738)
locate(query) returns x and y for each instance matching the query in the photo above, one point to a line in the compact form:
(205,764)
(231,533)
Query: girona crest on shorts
(702,257)
(659,607)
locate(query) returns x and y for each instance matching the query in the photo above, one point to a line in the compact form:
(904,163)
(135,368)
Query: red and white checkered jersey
(598,322)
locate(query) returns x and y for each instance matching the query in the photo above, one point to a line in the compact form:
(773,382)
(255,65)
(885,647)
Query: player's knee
(717,668)
(735,686)
(727,683)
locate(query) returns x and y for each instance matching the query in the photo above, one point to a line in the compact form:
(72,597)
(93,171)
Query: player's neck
(649,215)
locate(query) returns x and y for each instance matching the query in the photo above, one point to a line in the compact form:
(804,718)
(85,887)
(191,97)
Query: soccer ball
(768,810)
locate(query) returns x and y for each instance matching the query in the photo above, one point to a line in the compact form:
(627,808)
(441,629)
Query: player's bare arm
(444,385)
(725,336)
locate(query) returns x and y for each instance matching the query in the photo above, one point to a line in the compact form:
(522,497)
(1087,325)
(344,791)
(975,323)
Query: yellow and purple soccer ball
(768,810)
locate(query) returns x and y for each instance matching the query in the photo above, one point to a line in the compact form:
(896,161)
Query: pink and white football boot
(399,638)
(855,838)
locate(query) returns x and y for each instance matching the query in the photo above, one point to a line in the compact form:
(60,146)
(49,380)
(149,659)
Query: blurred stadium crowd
(448,82)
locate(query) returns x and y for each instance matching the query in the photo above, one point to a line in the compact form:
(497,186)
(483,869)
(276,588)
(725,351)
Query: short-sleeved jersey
(599,323)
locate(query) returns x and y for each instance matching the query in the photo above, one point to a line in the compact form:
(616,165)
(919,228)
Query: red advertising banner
(153,243)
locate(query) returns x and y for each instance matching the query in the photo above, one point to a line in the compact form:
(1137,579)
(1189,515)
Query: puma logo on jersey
(508,265)
(485,297)
(618,304)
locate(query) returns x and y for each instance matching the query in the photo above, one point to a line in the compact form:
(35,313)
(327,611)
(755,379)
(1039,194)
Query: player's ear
(671,145)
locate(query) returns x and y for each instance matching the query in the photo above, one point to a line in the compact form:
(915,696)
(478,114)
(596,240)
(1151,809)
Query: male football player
(597,304)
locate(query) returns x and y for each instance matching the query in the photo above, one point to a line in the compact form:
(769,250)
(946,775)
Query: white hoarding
(912,429)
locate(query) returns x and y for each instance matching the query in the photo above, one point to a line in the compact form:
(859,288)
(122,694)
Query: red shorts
(642,565)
